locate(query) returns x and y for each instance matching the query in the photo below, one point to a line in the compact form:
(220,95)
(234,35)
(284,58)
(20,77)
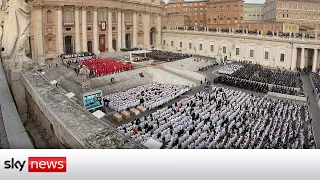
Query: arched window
(68,15)
(114,17)
(101,16)
(49,16)
(88,16)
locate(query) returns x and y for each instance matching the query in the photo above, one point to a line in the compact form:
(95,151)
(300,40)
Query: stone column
(77,28)
(110,49)
(123,30)
(134,30)
(315,58)
(84,29)
(146,29)
(159,35)
(119,30)
(95,32)
(302,61)
(294,59)
(59,31)
(39,35)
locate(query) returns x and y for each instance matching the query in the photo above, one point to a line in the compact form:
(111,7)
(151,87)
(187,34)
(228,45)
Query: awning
(99,114)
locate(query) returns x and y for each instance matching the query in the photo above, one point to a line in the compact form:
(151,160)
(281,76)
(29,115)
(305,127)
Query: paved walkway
(313,107)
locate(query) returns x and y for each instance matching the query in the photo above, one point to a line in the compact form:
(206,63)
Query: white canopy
(70,94)
(99,114)
(152,144)
(137,52)
(53,82)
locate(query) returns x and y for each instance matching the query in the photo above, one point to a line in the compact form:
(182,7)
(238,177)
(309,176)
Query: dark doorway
(128,41)
(68,44)
(89,44)
(153,33)
(114,44)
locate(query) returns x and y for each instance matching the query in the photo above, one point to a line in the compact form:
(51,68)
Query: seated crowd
(166,55)
(224,118)
(258,73)
(242,83)
(316,81)
(130,49)
(229,69)
(149,95)
(104,66)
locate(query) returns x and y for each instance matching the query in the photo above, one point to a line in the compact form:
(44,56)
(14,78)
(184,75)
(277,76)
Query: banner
(120,164)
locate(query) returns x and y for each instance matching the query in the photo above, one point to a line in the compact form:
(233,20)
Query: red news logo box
(47,164)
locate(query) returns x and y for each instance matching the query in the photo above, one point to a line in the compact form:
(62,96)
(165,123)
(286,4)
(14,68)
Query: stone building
(304,13)
(253,13)
(59,27)
(273,51)
(228,13)
(195,10)
(172,20)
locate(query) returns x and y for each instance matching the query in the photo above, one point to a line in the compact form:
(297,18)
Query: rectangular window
(237,51)
(181,44)
(68,29)
(212,48)
(266,55)
(200,47)
(190,45)
(164,42)
(251,53)
(224,49)
(282,58)
(171,43)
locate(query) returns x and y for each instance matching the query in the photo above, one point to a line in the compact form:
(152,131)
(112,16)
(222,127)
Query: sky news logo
(38,164)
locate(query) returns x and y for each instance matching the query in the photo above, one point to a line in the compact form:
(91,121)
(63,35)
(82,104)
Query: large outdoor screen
(93,100)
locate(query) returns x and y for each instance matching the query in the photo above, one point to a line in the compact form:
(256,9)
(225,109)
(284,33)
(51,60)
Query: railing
(297,36)
(68,23)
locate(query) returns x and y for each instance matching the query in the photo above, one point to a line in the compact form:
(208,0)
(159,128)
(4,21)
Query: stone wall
(39,127)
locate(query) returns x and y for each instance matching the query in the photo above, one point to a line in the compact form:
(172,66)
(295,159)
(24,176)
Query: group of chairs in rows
(204,68)
(224,118)
(256,72)
(316,81)
(130,49)
(104,66)
(150,96)
(166,55)
(77,55)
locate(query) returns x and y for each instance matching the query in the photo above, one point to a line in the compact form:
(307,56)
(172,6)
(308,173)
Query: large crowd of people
(225,118)
(258,73)
(242,83)
(104,66)
(166,55)
(150,96)
(229,69)
(316,81)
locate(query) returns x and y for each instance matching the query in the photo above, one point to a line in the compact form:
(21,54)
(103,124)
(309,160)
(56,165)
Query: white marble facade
(59,27)
(267,51)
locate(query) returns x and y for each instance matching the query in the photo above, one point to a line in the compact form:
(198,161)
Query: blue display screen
(92,101)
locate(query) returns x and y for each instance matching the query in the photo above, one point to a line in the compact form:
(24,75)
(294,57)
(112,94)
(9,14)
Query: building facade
(58,27)
(195,10)
(224,13)
(268,51)
(253,13)
(304,13)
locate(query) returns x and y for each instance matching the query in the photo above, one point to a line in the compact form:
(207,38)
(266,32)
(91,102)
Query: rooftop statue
(15,34)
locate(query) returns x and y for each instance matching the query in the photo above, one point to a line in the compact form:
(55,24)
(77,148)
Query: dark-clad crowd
(255,72)
(316,81)
(241,83)
(166,55)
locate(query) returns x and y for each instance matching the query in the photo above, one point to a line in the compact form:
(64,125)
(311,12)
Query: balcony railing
(68,23)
